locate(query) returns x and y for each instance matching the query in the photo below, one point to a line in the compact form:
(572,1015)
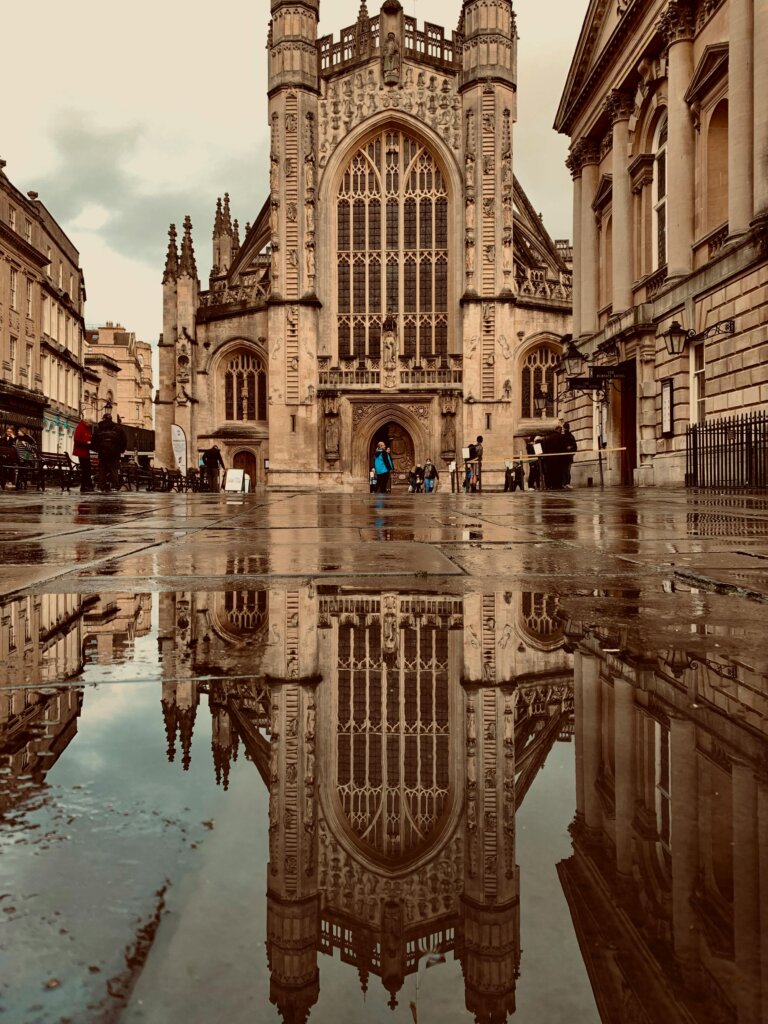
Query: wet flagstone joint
(352,758)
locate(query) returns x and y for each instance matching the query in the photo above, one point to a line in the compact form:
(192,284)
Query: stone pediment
(710,70)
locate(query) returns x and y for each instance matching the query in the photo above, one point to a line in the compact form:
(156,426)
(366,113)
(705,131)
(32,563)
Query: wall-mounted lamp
(540,399)
(676,337)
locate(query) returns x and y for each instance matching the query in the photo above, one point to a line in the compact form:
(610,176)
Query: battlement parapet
(361,41)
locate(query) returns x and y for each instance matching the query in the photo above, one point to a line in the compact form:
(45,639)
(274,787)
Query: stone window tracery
(392,242)
(245,387)
(539,371)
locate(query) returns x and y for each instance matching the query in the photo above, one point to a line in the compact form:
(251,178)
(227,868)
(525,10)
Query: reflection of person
(383,465)
(213,462)
(82,452)
(109,442)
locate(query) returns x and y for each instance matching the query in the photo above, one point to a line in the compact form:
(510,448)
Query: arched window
(660,195)
(717,167)
(392,240)
(245,387)
(539,372)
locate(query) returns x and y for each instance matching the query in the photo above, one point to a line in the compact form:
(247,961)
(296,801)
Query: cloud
(94,187)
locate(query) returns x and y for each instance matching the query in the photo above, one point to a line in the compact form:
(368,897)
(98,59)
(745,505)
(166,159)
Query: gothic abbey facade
(397,282)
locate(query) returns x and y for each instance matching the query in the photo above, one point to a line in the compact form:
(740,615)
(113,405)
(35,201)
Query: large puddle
(329,804)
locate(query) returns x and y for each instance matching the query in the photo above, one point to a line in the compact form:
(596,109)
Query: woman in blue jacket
(382,463)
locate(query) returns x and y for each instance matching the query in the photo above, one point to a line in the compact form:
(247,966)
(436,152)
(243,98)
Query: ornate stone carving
(390,60)
(389,345)
(678,21)
(618,105)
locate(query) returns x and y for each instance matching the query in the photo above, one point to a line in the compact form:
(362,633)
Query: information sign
(585,384)
(605,372)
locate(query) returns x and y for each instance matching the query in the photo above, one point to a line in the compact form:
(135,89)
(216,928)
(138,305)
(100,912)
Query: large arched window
(660,194)
(392,241)
(539,372)
(717,167)
(245,387)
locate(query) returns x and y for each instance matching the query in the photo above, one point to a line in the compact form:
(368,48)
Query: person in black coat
(109,442)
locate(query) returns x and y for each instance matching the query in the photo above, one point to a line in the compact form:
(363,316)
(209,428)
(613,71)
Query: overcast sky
(125,117)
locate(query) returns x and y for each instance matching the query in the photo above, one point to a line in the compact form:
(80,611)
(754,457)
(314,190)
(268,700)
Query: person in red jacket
(82,452)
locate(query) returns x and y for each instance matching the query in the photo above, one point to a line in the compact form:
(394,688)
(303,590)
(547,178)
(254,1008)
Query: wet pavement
(384,758)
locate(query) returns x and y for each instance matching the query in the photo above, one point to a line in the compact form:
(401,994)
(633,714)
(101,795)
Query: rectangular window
(71,286)
(49,268)
(698,384)
(28,230)
(12,217)
(14,287)
(30,352)
(29,299)
(12,358)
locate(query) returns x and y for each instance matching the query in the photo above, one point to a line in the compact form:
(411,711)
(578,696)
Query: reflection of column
(578,729)
(590,261)
(746,894)
(619,107)
(591,713)
(685,853)
(762,847)
(740,124)
(678,25)
(760,109)
(624,785)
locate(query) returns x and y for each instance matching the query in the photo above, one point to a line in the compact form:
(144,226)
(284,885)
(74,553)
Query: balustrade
(368,372)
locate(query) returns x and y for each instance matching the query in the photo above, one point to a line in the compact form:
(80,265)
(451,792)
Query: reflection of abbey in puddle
(668,882)
(403,732)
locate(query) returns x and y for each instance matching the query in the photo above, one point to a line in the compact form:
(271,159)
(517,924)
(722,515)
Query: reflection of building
(397,733)
(113,624)
(668,882)
(396,284)
(665,109)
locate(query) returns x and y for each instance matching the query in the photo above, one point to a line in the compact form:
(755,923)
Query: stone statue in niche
(470,213)
(389,348)
(391,60)
(310,262)
(274,174)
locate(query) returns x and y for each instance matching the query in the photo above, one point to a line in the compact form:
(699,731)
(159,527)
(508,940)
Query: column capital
(584,151)
(678,21)
(618,105)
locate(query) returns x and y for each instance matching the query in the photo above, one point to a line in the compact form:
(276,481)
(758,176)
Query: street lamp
(573,359)
(675,338)
(540,400)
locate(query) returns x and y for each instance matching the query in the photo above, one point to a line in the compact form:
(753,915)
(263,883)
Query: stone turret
(490,42)
(292,39)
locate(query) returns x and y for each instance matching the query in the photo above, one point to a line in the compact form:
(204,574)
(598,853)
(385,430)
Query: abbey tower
(396,284)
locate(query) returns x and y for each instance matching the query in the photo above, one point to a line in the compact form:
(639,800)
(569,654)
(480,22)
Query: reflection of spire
(172,257)
(171,725)
(186,728)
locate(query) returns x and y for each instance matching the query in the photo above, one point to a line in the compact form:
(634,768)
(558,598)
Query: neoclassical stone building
(666,111)
(397,282)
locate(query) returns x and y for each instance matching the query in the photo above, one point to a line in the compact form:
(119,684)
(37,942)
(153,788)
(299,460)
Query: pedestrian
(384,466)
(9,459)
(556,458)
(412,480)
(431,477)
(514,476)
(534,464)
(28,456)
(473,466)
(213,462)
(372,480)
(82,452)
(389,479)
(109,442)
(571,447)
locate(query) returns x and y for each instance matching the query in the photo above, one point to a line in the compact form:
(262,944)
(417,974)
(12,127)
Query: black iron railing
(730,452)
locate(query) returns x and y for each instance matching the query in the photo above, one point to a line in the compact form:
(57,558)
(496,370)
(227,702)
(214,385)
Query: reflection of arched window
(245,611)
(539,372)
(540,615)
(392,239)
(717,166)
(660,194)
(245,387)
(662,795)
(392,728)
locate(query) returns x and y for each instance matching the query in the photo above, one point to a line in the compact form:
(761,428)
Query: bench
(59,467)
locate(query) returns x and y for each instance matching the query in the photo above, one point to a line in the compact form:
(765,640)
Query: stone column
(592,733)
(760,111)
(740,114)
(746,894)
(624,775)
(590,255)
(574,166)
(678,25)
(685,830)
(618,105)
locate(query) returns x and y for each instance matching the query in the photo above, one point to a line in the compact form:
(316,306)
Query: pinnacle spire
(218,222)
(235,237)
(187,263)
(172,257)
(227,215)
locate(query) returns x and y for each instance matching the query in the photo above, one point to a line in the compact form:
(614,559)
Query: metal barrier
(730,452)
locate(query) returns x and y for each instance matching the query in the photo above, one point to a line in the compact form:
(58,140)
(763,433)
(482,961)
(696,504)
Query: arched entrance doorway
(400,442)
(246,461)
